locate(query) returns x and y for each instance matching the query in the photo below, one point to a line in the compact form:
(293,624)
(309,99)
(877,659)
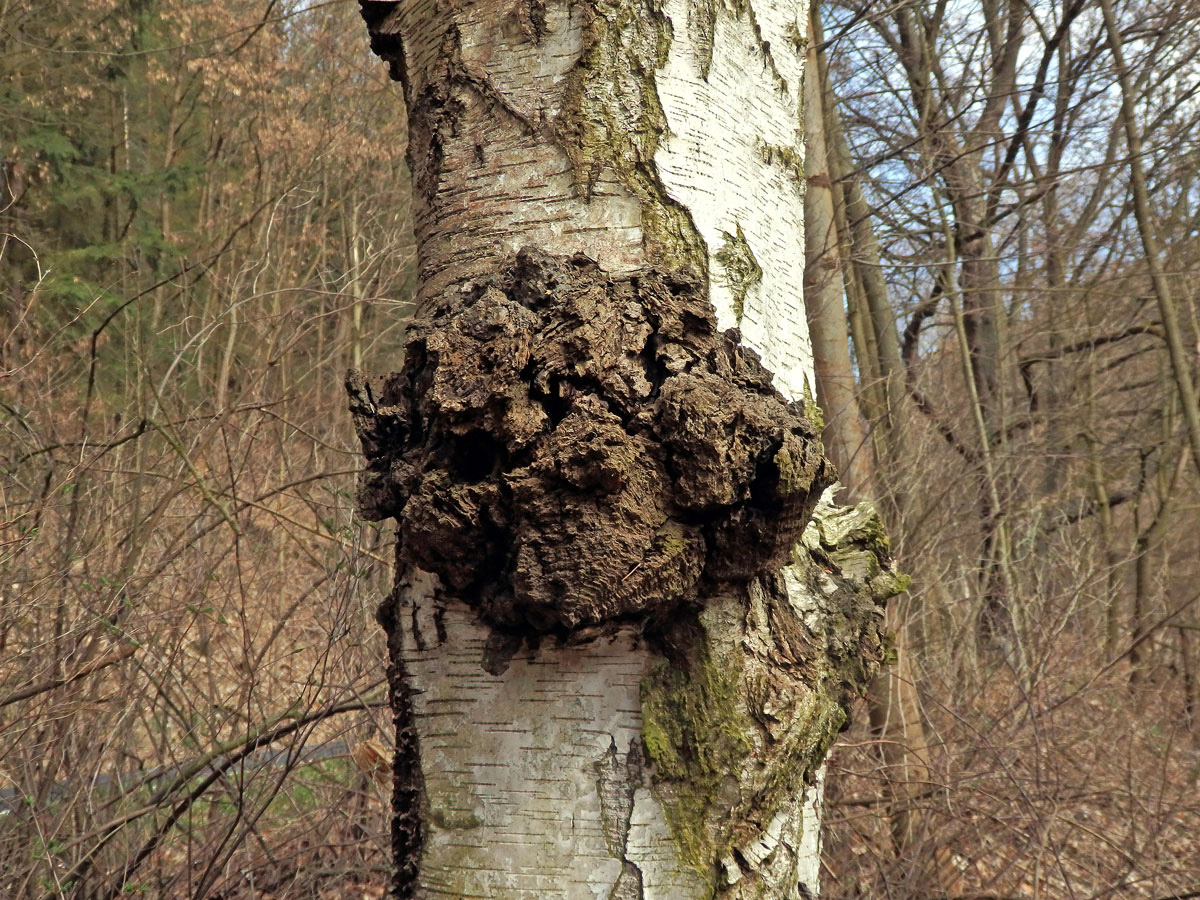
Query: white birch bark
(660,134)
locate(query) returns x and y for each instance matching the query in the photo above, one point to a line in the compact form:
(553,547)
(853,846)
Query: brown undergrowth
(191,687)
(1081,787)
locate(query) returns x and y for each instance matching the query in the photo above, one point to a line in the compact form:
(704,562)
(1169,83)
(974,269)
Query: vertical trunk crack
(408,782)
(616,782)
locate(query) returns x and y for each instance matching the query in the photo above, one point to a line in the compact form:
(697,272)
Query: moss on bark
(739,722)
(742,270)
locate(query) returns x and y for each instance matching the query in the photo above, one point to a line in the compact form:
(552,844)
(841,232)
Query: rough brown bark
(565,450)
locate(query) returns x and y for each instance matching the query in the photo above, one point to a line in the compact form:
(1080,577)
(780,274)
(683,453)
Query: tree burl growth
(569,450)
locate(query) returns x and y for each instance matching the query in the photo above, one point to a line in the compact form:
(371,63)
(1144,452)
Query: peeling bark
(744,710)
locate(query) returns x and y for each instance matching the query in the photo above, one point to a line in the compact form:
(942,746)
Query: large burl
(565,449)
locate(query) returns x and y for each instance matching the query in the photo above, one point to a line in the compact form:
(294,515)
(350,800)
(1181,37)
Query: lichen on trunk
(566,450)
(613,119)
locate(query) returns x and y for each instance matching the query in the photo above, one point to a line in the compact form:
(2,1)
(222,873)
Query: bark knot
(566,449)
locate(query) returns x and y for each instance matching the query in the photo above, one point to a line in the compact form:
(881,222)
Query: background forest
(203,223)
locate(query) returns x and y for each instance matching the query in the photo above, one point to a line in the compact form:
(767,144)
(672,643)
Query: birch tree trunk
(624,628)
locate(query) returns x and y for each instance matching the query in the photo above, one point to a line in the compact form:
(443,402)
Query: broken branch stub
(565,449)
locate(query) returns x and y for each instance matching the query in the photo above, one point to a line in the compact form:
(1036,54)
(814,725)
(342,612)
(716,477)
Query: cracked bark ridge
(566,449)
(408,783)
(616,782)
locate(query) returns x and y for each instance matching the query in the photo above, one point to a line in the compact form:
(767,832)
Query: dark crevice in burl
(566,449)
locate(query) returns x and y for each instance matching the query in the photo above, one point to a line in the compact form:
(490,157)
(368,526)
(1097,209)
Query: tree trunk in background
(605,679)
(894,706)
(854,220)
(843,432)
